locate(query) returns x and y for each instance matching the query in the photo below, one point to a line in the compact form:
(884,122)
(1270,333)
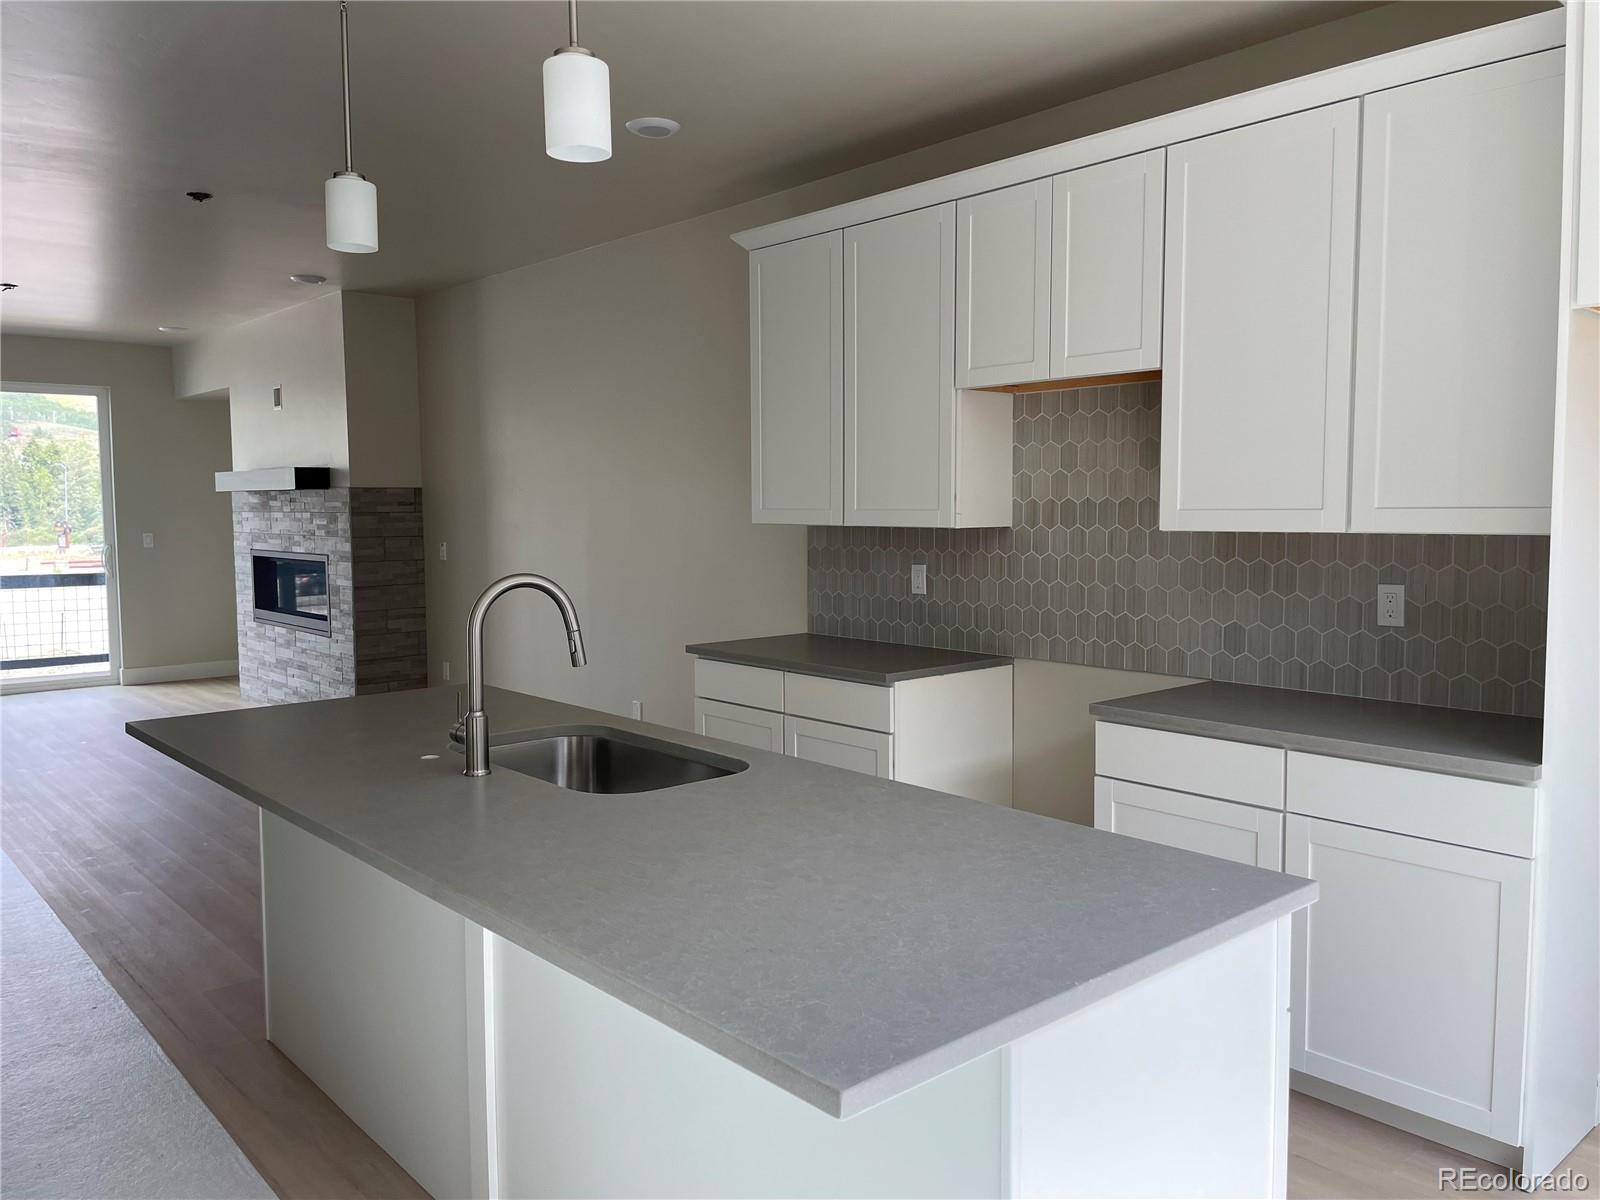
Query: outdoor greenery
(18,408)
(49,469)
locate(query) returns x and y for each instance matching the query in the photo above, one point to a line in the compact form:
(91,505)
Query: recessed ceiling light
(653,127)
(308,279)
(172,329)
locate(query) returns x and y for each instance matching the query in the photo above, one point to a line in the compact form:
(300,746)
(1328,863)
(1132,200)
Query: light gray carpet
(89,1105)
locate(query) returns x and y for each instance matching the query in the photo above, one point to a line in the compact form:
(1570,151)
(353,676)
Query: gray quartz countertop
(853,659)
(843,936)
(1450,741)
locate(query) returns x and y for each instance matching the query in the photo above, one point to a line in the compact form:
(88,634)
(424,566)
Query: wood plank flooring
(155,871)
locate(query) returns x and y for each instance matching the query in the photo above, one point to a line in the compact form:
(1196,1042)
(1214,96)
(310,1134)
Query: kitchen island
(787,980)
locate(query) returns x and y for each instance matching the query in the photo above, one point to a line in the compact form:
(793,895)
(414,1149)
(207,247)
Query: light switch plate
(919,579)
(149,541)
(1391,604)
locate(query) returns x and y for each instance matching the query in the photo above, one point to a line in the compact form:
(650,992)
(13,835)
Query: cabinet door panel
(735,723)
(1256,350)
(1220,828)
(1460,255)
(839,746)
(797,382)
(1106,236)
(1003,286)
(1411,972)
(899,383)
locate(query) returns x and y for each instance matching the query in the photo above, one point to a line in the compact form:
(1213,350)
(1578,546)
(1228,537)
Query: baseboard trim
(1476,1144)
(54,683)
(177,672)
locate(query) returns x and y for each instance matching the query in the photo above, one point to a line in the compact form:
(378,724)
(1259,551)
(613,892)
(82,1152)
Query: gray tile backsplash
(1085,576)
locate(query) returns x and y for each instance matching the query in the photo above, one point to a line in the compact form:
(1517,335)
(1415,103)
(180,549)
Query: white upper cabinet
(1105,273)
(1347,282)
(1455,341)
(1261,225)
(797,381)
(899,369)
(1003,286)
(1583,31)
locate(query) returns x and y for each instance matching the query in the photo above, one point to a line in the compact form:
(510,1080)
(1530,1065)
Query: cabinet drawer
(1185,763)
(753,727)
(1240,833)
(839,746)
(1442,808)
(858,704)
(755,686)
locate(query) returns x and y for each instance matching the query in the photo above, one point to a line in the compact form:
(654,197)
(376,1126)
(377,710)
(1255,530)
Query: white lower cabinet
(863,750)
(752,727)
(951,733)
(1220,828)
(1411,972)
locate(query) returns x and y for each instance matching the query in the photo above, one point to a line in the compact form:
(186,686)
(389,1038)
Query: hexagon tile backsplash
(1084,576)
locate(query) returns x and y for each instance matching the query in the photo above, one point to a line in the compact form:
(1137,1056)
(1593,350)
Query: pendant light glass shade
(352,208)
(349,200)
(577,107)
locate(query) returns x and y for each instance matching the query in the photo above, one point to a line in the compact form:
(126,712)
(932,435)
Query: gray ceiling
(113,110)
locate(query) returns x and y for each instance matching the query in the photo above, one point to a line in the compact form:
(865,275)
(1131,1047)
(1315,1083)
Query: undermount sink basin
(595,758)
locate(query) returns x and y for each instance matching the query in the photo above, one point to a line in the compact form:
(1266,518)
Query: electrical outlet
(1391,604)
(444,551)
(444,670)
(149,541)
(636,709)
(919,579)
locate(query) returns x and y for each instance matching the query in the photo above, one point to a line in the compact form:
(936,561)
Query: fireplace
(329,590)
(291,589)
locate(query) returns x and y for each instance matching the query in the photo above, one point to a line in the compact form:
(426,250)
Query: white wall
(1563,1093)
(300,349)
(177,598)
(588,419)
(380,387)
(347,365)
(1053,772)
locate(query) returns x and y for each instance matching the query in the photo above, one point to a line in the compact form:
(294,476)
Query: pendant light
(350,199)
(577,100)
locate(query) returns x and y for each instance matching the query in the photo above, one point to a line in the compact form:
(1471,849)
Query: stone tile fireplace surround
(372,538)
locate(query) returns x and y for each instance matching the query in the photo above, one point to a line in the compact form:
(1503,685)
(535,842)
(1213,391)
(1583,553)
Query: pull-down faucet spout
(475,725)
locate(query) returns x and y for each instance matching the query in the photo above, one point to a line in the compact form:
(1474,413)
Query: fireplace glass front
(292,589)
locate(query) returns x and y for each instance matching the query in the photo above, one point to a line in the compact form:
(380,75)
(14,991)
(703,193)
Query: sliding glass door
(58,587)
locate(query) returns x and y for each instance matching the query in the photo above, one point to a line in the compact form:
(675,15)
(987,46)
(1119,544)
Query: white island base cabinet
(488,1071)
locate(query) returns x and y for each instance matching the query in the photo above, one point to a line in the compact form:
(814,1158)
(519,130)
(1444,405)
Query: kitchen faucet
(474,727)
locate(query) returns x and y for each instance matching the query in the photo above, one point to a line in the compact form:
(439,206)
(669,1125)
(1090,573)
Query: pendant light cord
(572,22)
(344,52)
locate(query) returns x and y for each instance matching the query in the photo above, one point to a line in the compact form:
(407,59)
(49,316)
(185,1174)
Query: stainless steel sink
(596,758)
